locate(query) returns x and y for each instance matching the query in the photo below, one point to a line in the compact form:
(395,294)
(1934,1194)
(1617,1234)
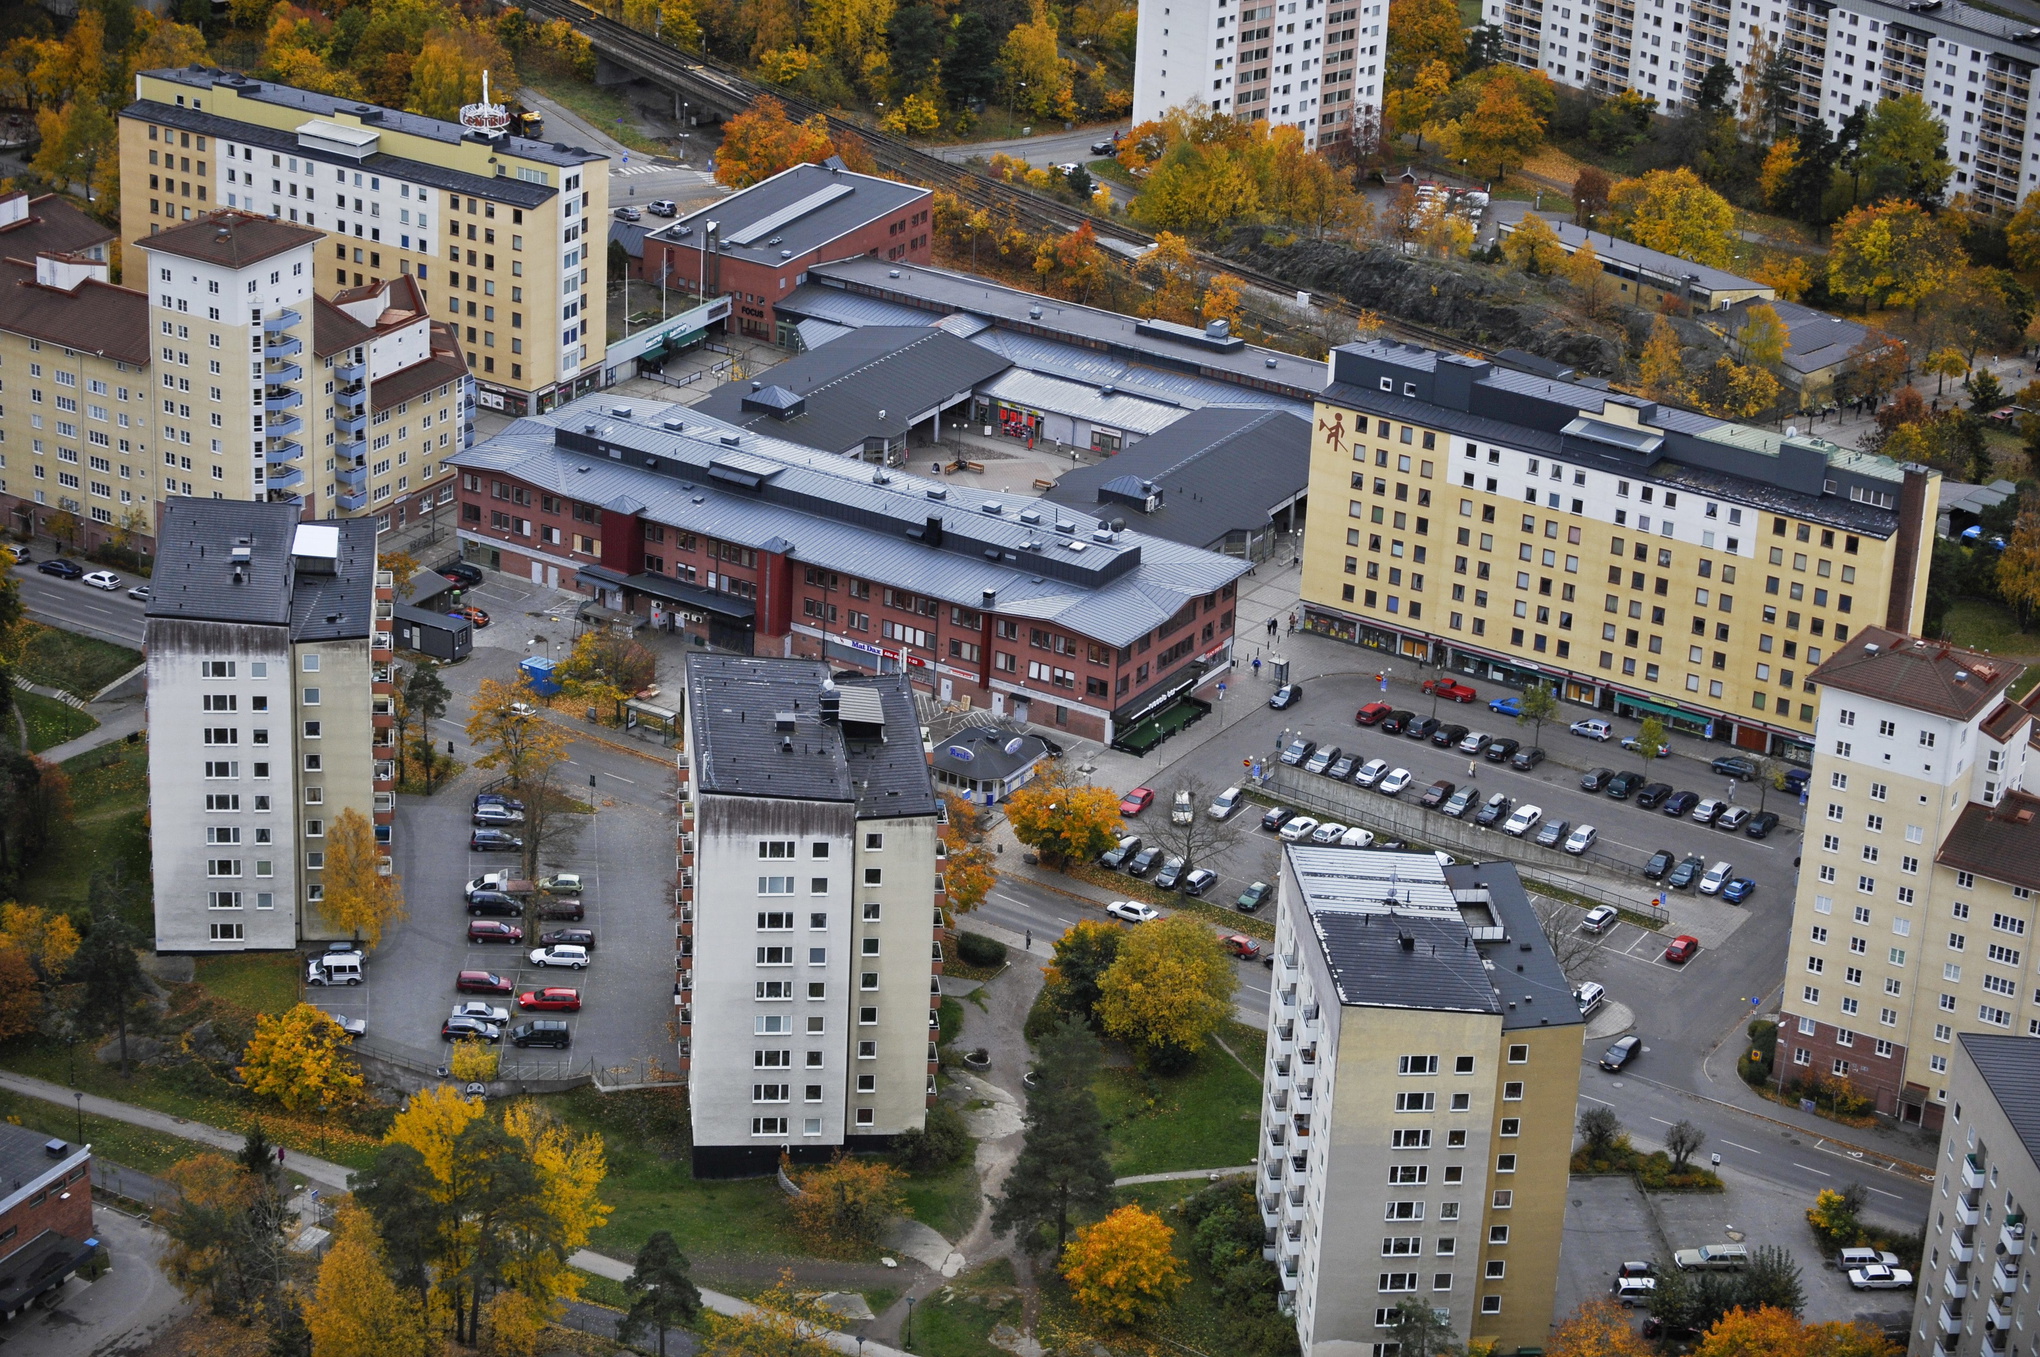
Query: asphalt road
(77,606)
(1054,148)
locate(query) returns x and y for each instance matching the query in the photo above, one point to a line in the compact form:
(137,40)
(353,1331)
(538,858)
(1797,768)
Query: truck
(504,881)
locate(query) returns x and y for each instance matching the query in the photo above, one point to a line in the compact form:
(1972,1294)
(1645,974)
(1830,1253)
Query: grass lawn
(1205,1118)
(606,109)
(64,659)
(946,1202)
(1979,625)
(259,982)
(129,1146)
(107,832)
(51,722)
(958,1320)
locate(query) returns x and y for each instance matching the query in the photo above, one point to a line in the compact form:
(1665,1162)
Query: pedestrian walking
(1030,939)
(1469,767)
(1257,666)
(279,1156)
(1292,622)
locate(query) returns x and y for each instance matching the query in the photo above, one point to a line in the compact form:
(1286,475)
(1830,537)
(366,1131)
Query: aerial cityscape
(793,753)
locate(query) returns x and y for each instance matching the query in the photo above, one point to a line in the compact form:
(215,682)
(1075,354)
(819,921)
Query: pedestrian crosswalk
(646,169)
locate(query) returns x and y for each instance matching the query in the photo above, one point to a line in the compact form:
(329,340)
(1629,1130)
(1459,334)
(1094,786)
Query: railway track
(718,84)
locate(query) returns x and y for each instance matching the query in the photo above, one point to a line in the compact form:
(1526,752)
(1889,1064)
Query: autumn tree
(224,1231)
(1582,268)
(1732,390)
(1763,337)
(522,744)
(1200,839)
(44,936)
(1064,824)
(1500,130)
(1672,211)
(470,1060)
(402,565)
(967,872)
(299,1058)
(1035,69)
(1890,254)
(846,1205)
(1062,1167)
(356,1309)
(2022,234)
(762,141)
(1661,369)
(1534,247)
(1123,1269)
(1168,990)
(2018,565)
(1413,106)
(1789,275)
(662,1292)
(1599,1328)
(781,1321)
(359,895)
(1589,195)
(1072,264)
(1942,364)
(1081,956)
(1421,32)
(447,72)
(1904,152)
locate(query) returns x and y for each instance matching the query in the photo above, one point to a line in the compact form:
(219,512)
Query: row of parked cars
(493,900)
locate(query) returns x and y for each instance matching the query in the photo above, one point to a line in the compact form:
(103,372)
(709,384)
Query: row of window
(812,1126)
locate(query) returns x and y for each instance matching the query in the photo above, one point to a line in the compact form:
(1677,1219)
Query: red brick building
(757,245)
(753,545)
(45,1216)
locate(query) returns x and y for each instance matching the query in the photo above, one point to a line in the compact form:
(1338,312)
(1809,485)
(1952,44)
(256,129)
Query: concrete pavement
(121,1312)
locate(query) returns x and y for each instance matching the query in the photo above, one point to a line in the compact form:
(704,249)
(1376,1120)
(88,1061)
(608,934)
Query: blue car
(1506,706)
(1738,890)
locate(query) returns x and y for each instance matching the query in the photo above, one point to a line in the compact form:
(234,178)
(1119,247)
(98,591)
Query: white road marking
(1744,1148)
(1661,1121)
(1811,1169)
(1882,1193)
(1592,1099)
(618,776)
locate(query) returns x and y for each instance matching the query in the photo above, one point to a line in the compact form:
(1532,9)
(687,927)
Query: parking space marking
(1811,1169)
(1744,1148)
(1592,1099)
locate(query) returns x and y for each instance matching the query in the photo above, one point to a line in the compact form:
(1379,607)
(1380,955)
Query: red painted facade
(64,1206)
(1876,1071)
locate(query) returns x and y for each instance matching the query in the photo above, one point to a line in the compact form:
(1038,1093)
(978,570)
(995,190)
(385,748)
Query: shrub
(979,950)
(1755,1064)
(935,1146)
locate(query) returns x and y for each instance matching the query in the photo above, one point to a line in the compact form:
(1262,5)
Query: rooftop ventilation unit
(619,411)
(733,440)
(1030,516)
(992,507)
(673,425)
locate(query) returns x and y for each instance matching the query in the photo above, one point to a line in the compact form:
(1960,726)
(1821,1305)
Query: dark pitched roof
(93,317)
(231,239)
(2001,842)
(988,752)
(1372,967)
(196,579)
(51,226)
(445,365)
(334,330)
(2002,724)
(870,383)
(335,605)
(795,212)
(1217,469)
(23,1158)
(1538,994)
(2010,1069)
(1929,676)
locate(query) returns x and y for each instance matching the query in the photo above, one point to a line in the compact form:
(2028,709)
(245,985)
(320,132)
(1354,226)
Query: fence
(1391,818)
(412,1067)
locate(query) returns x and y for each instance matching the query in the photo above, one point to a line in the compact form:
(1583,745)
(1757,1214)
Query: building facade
(1987,1181)
(754,546)
(810,913)
(46,1231)
(1973,66)
(1920,840)
(1318,71)
(269,710)
(1419,1096)
(503,235)
(1634,557)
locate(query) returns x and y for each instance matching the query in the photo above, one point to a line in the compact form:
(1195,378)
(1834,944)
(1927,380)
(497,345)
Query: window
(776,885)
(1512,1091)
(1417,1102)
(1417,1064)
(1505,1163)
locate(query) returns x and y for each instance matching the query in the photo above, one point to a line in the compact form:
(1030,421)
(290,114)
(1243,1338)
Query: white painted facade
(1311,64)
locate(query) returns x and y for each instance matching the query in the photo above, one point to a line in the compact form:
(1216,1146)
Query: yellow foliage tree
(967,872)
(358,895)
(2018,567)
(1768,1331)
(356,1310)
(1662,367)
(45,937)
(1776,176)
(1222,300)
(1421,33)
(1533,246)
(1034,64)
(1169,988)
(1599,1328)
(1789,275)
(447,71)
(299,1059)
(522,745)
(1671,210)
(781,1321)
(512,1325)
(1413,107)
(2022,234)
(845,1205)
(1502,130)
(430,1124)
(1763,337)
(1064,824)
(1732,390)
(402,565)
(1582,268)
(1123,1269)
(847,34)
(761,141)
(474,1061)
(1891,254)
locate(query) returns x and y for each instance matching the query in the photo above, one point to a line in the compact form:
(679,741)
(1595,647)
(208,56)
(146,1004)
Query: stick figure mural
(1335,432)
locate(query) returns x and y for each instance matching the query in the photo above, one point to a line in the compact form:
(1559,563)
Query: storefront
(1675,719)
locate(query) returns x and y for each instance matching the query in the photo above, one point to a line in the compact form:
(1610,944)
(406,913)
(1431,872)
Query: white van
(336,969)
(1591,996)
(1632,1291)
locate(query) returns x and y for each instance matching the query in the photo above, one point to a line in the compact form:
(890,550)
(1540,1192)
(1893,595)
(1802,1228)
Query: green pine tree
(1062,1166)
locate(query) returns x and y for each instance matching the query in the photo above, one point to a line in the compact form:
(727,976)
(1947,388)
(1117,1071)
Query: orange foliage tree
(846,1205)
(761,141)
(1768,1331)
(1123,1269)
(1600,1328)
(967,874)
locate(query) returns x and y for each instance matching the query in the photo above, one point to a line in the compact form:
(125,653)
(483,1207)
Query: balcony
(275,401)
(351,398)
(1958,1287)
(1281,1067)
(1998,1317)
(349,372)
(2013,1236)
(1951,1319)
(1274,1174)
(352,475)
(2005,1278)
(1972,1172)
(283,426)
(1993,1345)
(281,320)
(283,372)
(352,424)
(281,450)
(283,478)
(1961,1250)
(1967,1213)
(281,346)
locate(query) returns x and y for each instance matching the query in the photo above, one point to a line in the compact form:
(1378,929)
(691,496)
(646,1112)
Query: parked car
(1450,689)
(1735,766)
(494,841)
(1423,728)
(1275,817)
(490,930)
(1551,832)
(1136,801)
(460,572)
(490,813)
(1761,824)
(1328,832)
(1371,772)
(629,214)
(62,567)
(142,592)
(569,937)
(1580,840)
(1252,897)
(1321,759)
(1171,874)
(1225,803)
(1523,821)
(1659,863)
(1106,147)
(559,907)
(1683,949)
(1594,779)
(553,998)
(1297,829)
(470,614)
(1435,794)
(1733,818)
(1592,730)
(1633,1291)
(1500,751)
(565,883)
(1199,881)
(1474,742)
(1357,837)
(497,799)
(1711,1257)
(1299,750)
(1144,861)
(1622,784)
(1708,811)
(1796,780)
(1621,1053)
(1687,873)
(481,982)
(456,1028)
(481,1012)
(1717,877)
(560,954)
(1600,919)
(1241,946)
(1526,759)
(1880,1278)
(1506,706)
(1116,856)
(1635,746)
(1852,1258)
(1395,721)
(1738,889)
(494,905)
(1286,696)
(1445,737)
(1494,812)
(1680,804)
(1372,714)
(1181,812)
(1393,784)
(103,579)
(1651,795)
(1457,804)
(1132,911)
(541,1033)
(662,207)
(1341,769)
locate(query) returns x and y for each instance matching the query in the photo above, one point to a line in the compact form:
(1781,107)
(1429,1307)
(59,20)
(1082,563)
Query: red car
(1136,801)
(556,997)
(492,930)
(1683,949)
(482,982)
(1373,714)
(1449,690)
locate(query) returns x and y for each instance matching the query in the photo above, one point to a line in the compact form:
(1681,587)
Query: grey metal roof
(502,189)
(1219,469)
(1117,410)
(988,752)
(1635,256)
(1817,340)
(196,580)
(795,212)
(2010,1068)
(756,728)
(871,383)
(832,512)
(1538,994)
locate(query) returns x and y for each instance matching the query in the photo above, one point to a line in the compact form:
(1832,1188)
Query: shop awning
(1660,708)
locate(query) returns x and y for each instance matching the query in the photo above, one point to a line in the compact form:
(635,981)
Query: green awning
(1624,699)
(654,353)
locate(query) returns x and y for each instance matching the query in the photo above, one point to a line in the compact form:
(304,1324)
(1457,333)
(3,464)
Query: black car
(494,905)
(1680,804)
(1622,784)
(1552,833)
(1115,857)
(1499,751)
(1526,759)
(1276,817)
(1107,147)
(1651,795)
(1423,728)
(1436,794)
(1397,721)
(1447,736)
(1596,779)
(1735,766)
(1494,812)
(569,937)
(494,841)
(497,799)
(1144,861)
(1660,863)
(1457,804)
(1342,768)
(1621,1053)
(1299,750)
(62,567)
(1286,696)
(1761,824)
(1171,874)
(460,572)
(1686,873)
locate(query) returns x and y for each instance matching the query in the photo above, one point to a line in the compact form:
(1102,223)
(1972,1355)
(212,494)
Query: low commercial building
(1226,478)
(1971,1300)
(811,897)
(46,1230)
(987,764)
(1421,1081)
(269,649)
(753,545)
(1649,278)
(443,637)
(1819,348)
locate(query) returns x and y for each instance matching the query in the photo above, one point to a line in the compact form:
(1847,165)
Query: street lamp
(909,1341)
(81,1116)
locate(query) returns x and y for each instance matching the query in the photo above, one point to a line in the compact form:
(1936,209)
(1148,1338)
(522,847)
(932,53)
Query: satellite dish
(960,754)
(1014,745)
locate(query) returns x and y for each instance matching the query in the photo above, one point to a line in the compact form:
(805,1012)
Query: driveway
(121,1312)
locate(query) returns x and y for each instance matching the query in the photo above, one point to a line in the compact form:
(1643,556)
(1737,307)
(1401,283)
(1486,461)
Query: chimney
(932,533)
